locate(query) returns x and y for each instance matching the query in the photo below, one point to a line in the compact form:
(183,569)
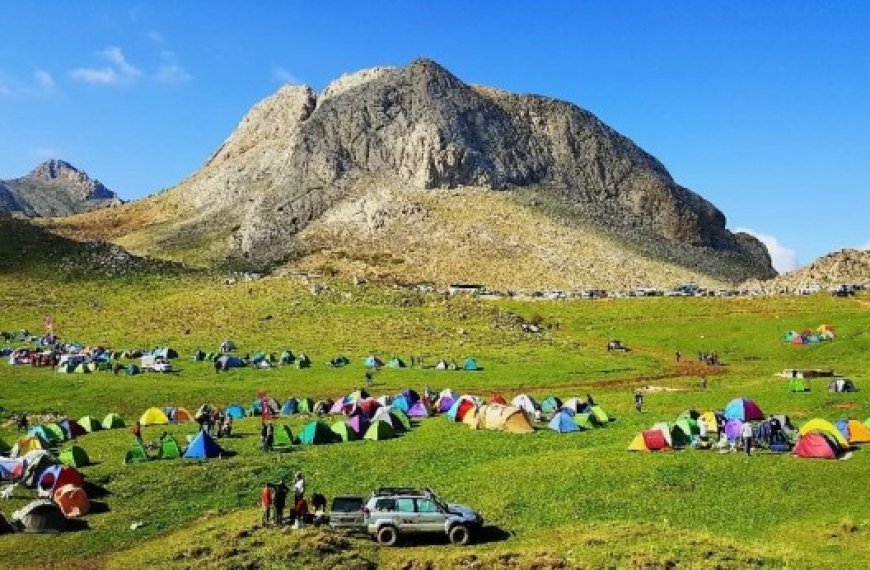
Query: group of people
(273,500)
(214,422)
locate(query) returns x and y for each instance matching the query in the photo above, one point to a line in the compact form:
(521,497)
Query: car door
(407,518)
(429,516)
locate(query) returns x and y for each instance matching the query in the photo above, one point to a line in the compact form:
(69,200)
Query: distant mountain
(54,188)
(411,173)
(844,267)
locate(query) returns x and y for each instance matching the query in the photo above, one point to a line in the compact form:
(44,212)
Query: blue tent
(471,365)
(235,411)
(228,362)
(202,447)
(166,353)
(291,406)
(401,403)
(132,370)
(563,422)
(373,362)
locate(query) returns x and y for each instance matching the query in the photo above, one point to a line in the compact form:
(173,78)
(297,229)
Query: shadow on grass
(486,535)
(99,508)
(95,491)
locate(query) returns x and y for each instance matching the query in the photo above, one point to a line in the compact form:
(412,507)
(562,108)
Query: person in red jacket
(266,503)
(137,432)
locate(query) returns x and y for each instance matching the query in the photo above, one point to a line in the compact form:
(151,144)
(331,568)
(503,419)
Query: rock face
(844,267)
(54,188)
(296,154)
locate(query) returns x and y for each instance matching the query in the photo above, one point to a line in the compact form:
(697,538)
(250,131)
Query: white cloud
(44,80)
(117,72)
(282,75)
(172,74)
(784,258)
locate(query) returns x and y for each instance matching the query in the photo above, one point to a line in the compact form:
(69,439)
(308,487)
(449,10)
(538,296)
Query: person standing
(266,502)
(638,401)
(137,432)
(703,381)
(23,424)
(298,487)
(678,356)
(702,430)
(270,436)
(281,491)
(746,434)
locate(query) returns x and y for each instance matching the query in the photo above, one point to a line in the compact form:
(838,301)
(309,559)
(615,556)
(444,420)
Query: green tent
(344,431)
(396,362)
(379,430)
(283,436)
(74,456)
(688,426)
(302,361)
(797,385)
(599,414)
(584,421)
(55,432)
(168,448)
(91,366)
(306,406)
(112,421)
(82,368)
(679,438)
(90,423)
(136,453)
(403,418)
(316,433)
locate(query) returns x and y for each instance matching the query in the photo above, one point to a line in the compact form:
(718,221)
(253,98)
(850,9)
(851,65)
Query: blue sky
(762,108)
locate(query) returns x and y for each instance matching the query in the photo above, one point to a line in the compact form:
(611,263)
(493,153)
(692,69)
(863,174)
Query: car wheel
(388,536)
(460,535)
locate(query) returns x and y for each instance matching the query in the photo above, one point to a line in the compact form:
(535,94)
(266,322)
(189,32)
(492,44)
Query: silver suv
(393,512)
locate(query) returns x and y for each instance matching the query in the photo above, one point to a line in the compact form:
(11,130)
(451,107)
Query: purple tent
(412,396)
(337,407)
(445,404)
(359,424)
(418,410)
(732,429)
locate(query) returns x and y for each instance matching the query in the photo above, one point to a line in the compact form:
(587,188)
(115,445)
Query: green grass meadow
(551,500)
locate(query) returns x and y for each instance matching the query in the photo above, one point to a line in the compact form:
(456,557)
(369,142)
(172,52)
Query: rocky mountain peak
(54,188)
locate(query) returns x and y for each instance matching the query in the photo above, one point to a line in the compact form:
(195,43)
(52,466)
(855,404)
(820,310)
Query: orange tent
(72,500)
(182,415)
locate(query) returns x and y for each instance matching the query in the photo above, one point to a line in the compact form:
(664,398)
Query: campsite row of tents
(835,385)
(201,446)
(823,333)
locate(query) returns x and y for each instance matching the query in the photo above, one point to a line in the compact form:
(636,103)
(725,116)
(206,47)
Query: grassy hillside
(551,500)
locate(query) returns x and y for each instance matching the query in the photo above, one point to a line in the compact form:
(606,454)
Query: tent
(306,405)
(132,370)
(359,424)
(471,365)
(585,420)
(550,404)
(74,456)
(235,411)
(688,426)
(41,515)
(471,419)
(743,409)
(395,418)
(525,403)
(283,437)
(302,361)
(401,403)
(202,447)
(599,414)
(316,433)
(90,424)
(563,422)
(373,361)
(679,437)
(169,448)
(290,406)
(797,385)
(497,398)
(396,362)
(45,436)
(441,365)
(344,431)
(841,385)
(402,418)
(503,418)
(339,361)
(732,429)
(459,408)
(11,469)
(181,414)
(418,410)
(72,501)
(826,328)
(854,431)
(27,444)
(198,356)
(358,395)
(711,420)
(72,429)
(57,476)
(322,407)
(227,346)
(575,405)
(112,421)
(649,440)
(816,445)
(798,340)
(369,406)
(35,462)
(56,432)
(153,416)
(136,453)
(825,427)
(167,353)
(379,430)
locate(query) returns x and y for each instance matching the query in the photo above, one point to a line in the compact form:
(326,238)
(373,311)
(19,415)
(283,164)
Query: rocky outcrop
(844,267)
(54,188)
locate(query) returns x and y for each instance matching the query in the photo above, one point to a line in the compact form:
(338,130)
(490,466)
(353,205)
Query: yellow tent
(710,419)
(470,418)
(27,444)
(858,432)
(504,418)
(153,416)
(638,444)
(825,328)
(826,428)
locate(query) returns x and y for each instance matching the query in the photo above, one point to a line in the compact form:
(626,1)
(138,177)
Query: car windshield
(437,500)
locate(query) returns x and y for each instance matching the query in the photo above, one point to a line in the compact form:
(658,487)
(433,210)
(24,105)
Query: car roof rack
(384,491)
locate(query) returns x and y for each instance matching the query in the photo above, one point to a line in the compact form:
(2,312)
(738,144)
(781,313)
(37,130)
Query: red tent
(654,440)
(463,409)
(498,399)
(815,446)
